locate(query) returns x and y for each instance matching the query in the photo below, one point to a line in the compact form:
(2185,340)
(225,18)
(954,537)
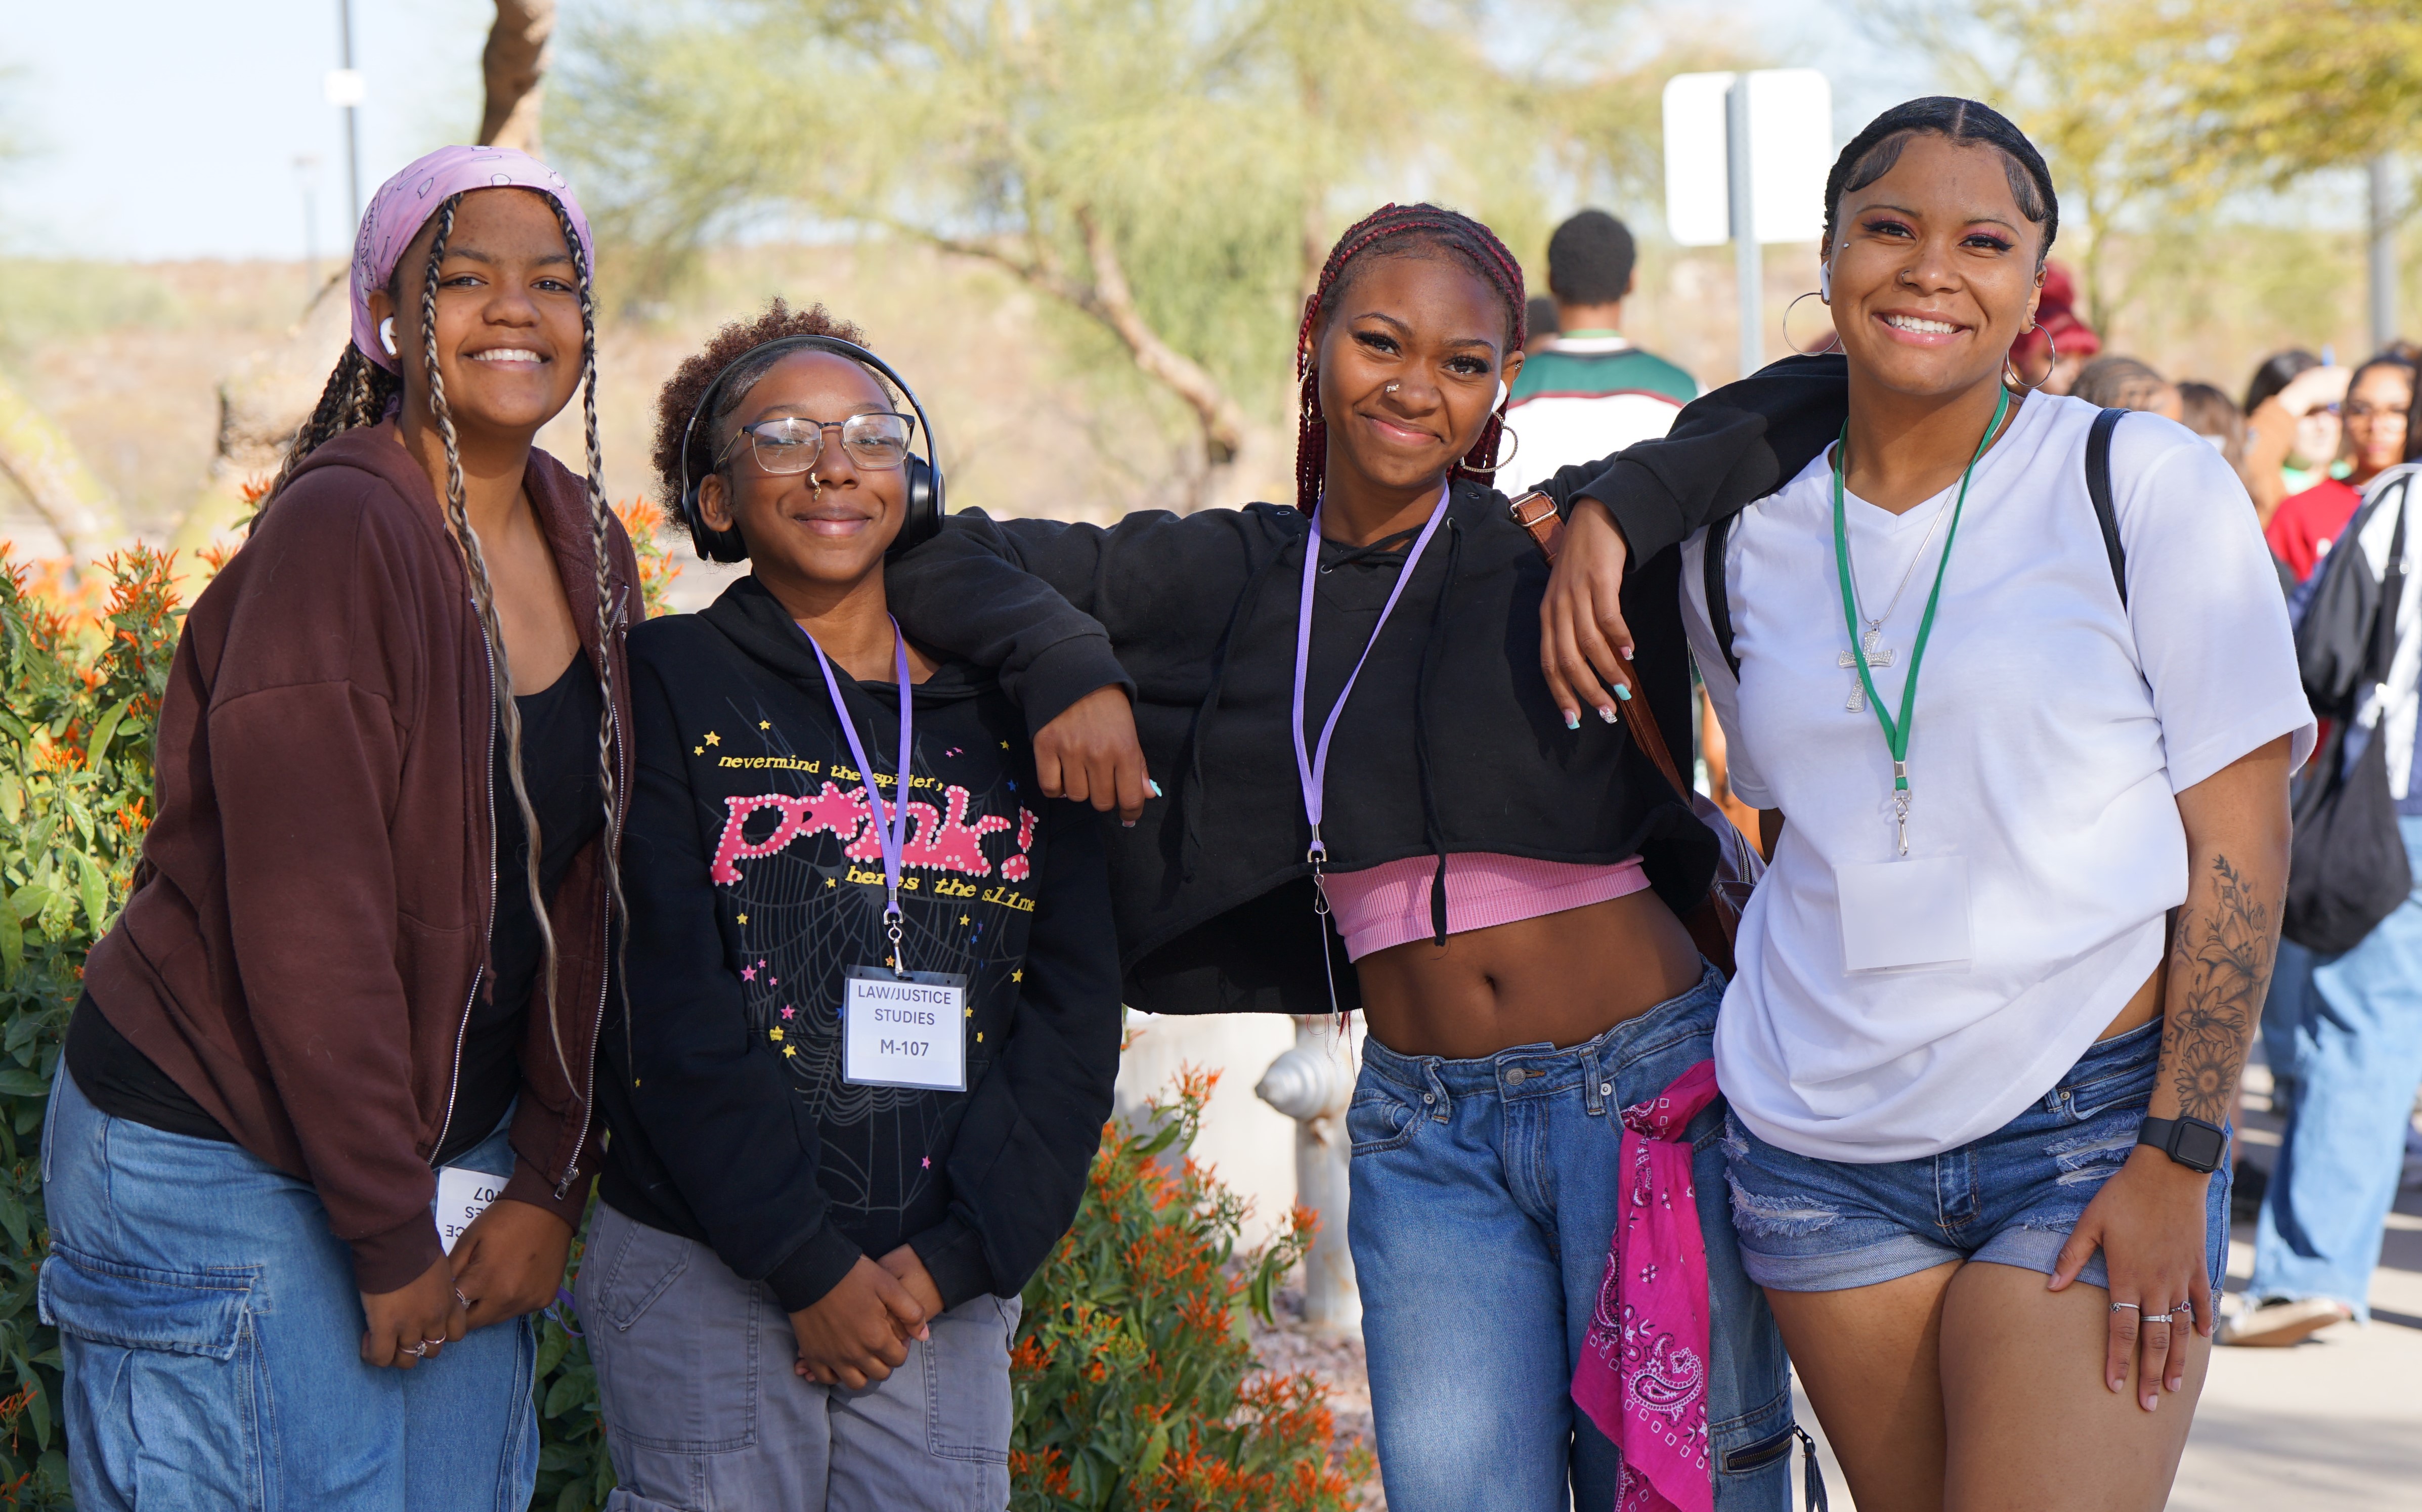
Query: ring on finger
(419,1351)
(2130,1306)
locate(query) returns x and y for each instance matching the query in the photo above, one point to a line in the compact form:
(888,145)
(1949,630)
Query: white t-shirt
(2053,733)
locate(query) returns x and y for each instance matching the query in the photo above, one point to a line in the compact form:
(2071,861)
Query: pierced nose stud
(1392,389)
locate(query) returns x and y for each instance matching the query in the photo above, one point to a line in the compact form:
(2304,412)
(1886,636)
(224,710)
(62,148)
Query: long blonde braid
(483,599)
(601,523)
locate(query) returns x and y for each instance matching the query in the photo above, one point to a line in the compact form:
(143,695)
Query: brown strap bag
(1714,920)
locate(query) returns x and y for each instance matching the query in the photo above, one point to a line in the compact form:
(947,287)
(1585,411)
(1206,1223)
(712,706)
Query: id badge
(1904,913)
(462,1194)
(904,1031)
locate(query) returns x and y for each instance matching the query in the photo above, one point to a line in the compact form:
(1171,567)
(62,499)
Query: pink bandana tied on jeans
(1644,1372)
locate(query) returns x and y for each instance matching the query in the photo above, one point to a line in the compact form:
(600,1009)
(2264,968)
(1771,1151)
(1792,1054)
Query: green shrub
(1137,1386)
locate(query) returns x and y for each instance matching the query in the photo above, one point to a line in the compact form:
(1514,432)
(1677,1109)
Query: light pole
(347,90)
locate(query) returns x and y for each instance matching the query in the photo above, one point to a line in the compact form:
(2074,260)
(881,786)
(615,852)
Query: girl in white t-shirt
(1996,991)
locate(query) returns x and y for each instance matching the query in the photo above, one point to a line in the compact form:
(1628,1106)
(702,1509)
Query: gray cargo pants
(704,1414)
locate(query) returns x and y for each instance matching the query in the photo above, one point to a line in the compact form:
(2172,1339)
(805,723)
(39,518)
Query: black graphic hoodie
(755,880)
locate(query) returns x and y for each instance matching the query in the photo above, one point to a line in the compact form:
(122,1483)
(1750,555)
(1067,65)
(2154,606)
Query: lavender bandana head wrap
(404,203)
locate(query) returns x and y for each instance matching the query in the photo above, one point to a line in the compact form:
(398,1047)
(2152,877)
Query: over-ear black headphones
(924,513)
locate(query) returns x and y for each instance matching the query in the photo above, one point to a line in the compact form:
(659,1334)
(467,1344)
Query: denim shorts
(2012,1197)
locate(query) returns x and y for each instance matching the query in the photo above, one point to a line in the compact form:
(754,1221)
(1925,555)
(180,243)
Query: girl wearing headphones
(872,1018)
(355,993)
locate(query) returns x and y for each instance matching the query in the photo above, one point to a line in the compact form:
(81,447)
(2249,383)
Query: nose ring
(1392,389)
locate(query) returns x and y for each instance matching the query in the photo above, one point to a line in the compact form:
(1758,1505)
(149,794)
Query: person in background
(2059,345)
(2124,383)
(2214,416)
(1589,393)
(2292,427)
(2343,1033)
(2378,397)
(1541,318)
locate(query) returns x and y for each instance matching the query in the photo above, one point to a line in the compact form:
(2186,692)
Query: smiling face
(1409,364)
(830,525)
(509,338)
(1935,269)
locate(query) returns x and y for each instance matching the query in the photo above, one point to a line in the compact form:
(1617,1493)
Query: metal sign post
(1746,156)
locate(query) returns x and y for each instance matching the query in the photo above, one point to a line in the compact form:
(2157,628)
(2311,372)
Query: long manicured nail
(1156,788)
(1572,720)
(1626,653)
(1623,691)
(1607,713)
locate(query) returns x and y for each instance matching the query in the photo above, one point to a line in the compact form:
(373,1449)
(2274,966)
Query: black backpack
(2347,870)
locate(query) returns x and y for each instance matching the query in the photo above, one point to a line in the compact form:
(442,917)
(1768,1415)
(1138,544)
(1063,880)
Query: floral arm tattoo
(2221,968)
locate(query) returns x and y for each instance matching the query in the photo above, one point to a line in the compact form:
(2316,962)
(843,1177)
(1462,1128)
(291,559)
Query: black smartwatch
(2190,1142)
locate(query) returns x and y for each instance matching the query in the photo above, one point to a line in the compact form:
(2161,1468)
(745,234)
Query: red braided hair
(1391,231)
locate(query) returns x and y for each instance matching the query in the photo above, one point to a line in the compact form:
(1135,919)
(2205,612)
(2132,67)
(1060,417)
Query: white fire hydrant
(1312,1083)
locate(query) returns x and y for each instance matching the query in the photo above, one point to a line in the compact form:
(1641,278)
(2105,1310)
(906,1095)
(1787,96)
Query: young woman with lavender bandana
(324,1128)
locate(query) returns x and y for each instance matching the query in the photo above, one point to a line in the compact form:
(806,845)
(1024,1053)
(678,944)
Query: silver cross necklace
(1871,647)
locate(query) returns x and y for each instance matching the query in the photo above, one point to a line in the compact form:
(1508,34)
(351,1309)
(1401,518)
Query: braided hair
(1400,231)
(360,392)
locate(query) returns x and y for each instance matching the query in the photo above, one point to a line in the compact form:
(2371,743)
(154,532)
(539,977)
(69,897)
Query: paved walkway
(2333,1425)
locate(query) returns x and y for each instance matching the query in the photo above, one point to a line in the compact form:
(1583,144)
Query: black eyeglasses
(792,443)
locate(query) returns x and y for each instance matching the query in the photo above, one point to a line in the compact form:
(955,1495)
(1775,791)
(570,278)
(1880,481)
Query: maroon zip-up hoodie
(311,922)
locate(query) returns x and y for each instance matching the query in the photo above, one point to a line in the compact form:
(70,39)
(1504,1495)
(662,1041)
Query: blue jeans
(1483,1194)
(210,1335)
(2011,1198)
(2358,1057)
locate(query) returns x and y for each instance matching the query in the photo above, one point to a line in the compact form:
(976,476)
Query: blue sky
(175,134)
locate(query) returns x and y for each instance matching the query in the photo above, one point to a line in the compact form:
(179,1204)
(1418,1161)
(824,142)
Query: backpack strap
(1719,604)
(2097,488)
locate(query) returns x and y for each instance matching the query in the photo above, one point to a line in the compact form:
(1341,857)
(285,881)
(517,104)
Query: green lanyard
(1897,731)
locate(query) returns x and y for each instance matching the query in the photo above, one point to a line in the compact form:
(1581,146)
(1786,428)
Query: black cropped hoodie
(754,882)
(1449,743)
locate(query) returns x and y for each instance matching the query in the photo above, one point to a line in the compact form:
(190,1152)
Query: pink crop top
(1384,906)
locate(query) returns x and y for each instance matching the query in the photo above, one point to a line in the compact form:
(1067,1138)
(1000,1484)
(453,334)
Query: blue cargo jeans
(1483,1194)
(210,1335)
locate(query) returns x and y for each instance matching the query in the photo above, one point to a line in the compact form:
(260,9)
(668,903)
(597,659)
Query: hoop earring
(2010,368)
(1827,345)
(1511,435)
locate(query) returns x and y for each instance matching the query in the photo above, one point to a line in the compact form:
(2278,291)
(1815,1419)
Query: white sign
(1791,150)
(905,1031)
(462,1195)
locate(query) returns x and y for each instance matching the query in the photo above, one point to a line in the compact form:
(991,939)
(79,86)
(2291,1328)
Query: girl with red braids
(1369,800)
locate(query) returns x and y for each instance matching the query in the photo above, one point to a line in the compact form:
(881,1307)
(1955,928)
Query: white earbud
(386,335)
(1502,392)
(1825,282)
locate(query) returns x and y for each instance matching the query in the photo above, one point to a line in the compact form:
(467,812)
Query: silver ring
(2130,1306)
(2188,1308)
(419,1351)
(462,1301)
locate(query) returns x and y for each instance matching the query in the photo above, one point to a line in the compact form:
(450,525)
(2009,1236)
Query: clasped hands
(858,1331)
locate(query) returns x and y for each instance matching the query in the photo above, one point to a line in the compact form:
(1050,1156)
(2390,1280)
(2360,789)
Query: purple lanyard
(892,837)
(1311,767)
